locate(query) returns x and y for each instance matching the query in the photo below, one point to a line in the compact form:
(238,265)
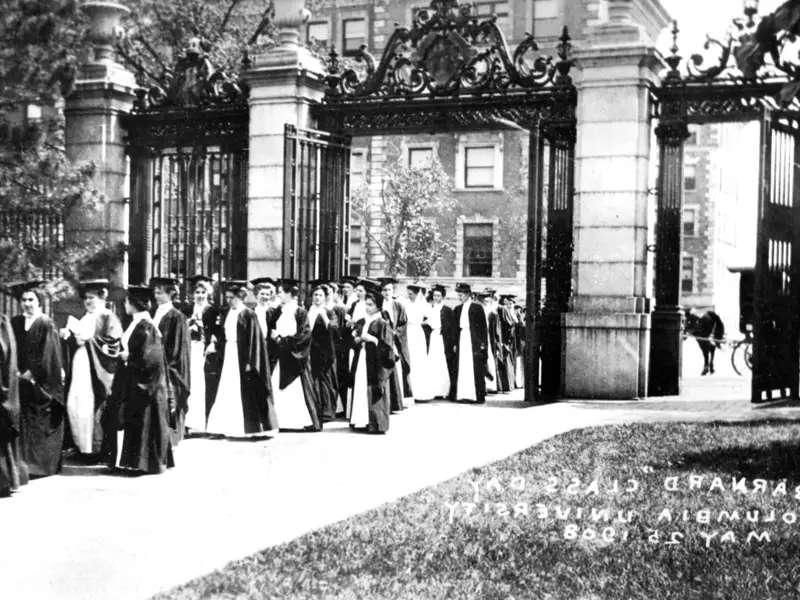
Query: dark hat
(234,285)
(489,291)
(17,288)
(384,281)
(416,288)
(504,297)
(463,288)
(348,279)
(259,282)
(483,294)
(92,285)
(369,283)
(288,281)
(195,279)
(439,288)
(319,283)
(142,293)
(167,282)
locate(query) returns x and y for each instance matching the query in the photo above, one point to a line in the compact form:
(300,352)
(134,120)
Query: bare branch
(231,6)
(266,18)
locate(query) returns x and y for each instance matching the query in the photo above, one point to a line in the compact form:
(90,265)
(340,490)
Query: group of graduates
(125,396)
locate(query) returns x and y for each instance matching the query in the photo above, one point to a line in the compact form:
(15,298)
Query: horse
(706,327)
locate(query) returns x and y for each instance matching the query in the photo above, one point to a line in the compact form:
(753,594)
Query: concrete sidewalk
(86,535)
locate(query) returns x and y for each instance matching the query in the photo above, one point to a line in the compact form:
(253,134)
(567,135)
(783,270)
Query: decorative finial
(750,11)
(674,59)
(563,51)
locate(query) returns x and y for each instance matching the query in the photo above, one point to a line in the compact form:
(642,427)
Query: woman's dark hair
(101,293)
(38,292)
(375,297)
(169,289)
(325,289)
(138,304)
(289,288)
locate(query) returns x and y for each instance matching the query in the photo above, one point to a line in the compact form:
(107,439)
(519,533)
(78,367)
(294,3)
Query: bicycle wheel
(748,356)
(736,359)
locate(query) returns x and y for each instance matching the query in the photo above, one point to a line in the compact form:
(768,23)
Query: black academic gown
(204,331)
(342,344)
(508,341)
(293,358)
(13,471)
(42,401)
(498,352)
(141,392)
(255,383)
(395,315)
(323,365)
(478,336)
(450,340)
(380,363)
(177,353)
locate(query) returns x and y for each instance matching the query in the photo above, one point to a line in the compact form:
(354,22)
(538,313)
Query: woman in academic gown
(372,368)
(41,383)
(266,305)
(324,324)
(519,340)
(174,330)
(244,405)
(439,320)
(295,402)
(201,317)
(93,344)
(341,344)
(417,310)
(395,314)
(471,348)
(13,472)
(140,390)
(508,323)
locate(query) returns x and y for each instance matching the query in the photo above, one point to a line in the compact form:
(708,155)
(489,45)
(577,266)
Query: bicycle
(746,346)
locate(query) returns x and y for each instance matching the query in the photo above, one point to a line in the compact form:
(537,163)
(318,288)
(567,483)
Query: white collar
(140,316)
(163,309)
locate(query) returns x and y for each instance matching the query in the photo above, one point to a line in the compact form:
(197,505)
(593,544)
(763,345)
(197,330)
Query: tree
(412,203)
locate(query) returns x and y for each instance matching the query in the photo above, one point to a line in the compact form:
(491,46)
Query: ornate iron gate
(776,358)
(316,209)
(187,141)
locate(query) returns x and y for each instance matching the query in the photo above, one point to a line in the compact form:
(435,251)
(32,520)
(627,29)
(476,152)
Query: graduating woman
(93,344)
(324,326)
(439,320)
(519,340)
(295,402)
(140,390)
(171,323)
(243,406)
(471,348)
(372,368)
(13,472)
(201,321)
(266,305)
(508,321)
(41,382)
(395,314)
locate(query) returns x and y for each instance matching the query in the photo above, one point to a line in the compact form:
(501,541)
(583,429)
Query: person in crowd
(471,348)
(266,305)
(324,325)
(171,322)
(497,378)
(341,344)
(348,286)
(395,313)
(13,471)
(372,367)
(201,315)
(441,347)
(93,345)
(140,391)
(295,402)
(519,339)
(417,312)
(243,406)
(41,381)
(508,333)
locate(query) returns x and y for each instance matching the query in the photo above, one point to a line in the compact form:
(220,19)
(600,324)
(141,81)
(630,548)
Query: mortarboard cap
(483,294)
(234,285)
(260,282)
(504,297)
(92,285)
(348,279)
(439,288)
(166,282)
(463,288)
(195,279)
(384,281)
(416,288)
(17,288)
(143,293)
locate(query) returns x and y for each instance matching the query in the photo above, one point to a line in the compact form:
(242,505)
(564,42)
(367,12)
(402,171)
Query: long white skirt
(465,384)
(196,415)
(359,402)
(290,403)
(80,401)
(227,416)
(438,375)
(519,373)
(419,373)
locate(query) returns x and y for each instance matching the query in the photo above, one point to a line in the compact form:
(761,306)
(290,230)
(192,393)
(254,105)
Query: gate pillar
(284,83)
(607,331)
(103,91)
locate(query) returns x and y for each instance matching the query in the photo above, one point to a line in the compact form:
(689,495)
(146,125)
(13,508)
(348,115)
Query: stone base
(605,355)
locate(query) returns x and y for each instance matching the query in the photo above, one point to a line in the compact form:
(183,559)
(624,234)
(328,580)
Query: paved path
(86,535)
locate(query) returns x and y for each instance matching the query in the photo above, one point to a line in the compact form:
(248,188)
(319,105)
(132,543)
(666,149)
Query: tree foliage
(412,203)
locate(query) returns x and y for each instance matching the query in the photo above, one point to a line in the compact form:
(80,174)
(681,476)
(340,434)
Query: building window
(420,157)
(687,274)
(692,139)
(33,112)
(478,242)
(354,35)
(689,221)
(318,32)
(479,166)
(689,178)
(548,9)
(487,9)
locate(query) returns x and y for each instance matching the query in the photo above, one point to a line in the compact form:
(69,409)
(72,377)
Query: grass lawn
(518,540)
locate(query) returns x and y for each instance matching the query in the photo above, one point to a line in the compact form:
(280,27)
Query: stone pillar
(104,90)
(607,332)
(284,82)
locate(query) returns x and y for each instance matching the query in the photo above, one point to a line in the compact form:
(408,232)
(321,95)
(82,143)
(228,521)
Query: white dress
(359,395)
(465,384)
(290,402)
(226,416)
(196,414)
(419,371)
(438,375)
(80,400)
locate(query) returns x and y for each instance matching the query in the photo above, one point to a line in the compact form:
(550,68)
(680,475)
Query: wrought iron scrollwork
(447,52)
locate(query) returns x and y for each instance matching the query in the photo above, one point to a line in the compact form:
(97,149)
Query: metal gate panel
(316,205)
(777,286)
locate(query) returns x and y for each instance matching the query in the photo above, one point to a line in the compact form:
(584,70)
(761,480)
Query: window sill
(478,189)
